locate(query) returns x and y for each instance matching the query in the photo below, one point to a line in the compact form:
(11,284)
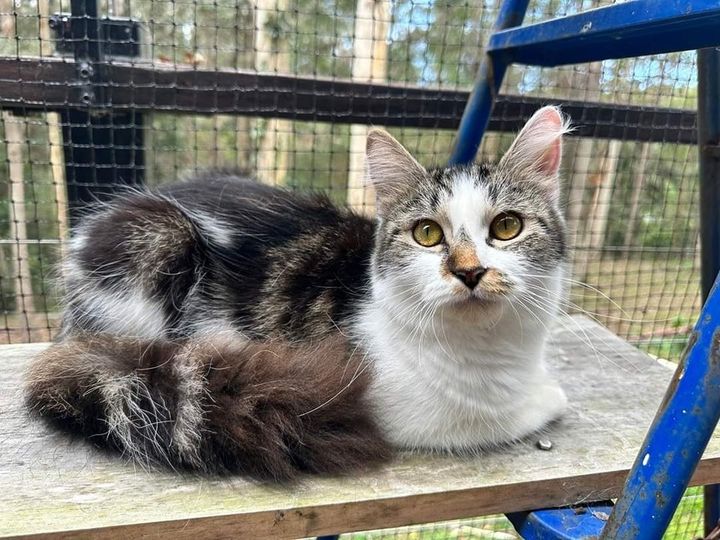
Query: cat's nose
(470,276)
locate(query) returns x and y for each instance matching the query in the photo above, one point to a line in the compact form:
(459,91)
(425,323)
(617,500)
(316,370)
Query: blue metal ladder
(691,408)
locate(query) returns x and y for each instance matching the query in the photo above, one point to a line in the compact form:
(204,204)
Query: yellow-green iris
(506,226)
(427,233)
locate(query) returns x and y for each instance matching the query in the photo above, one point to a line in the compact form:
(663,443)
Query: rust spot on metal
(660,499)
(678,375)
(715,349)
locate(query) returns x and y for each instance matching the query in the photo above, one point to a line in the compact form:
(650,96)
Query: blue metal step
(628,29)
(579,523)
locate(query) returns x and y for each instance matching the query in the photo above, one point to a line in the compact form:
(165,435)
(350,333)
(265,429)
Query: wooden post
(370,50)
(244,59)
(15,140)
(490,147)
(106,151)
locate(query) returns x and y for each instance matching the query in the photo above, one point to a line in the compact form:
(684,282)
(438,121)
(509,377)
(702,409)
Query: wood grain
(55,487)
(50,84)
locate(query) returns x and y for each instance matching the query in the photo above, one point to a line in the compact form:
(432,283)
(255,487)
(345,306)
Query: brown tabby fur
(266,410)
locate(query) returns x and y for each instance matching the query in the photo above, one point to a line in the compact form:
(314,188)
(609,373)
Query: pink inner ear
(550,162)
(551,120)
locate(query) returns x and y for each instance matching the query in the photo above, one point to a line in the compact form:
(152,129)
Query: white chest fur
(454,385)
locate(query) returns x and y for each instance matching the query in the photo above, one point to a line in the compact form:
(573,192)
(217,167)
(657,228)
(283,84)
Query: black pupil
(426,230)
(505,223)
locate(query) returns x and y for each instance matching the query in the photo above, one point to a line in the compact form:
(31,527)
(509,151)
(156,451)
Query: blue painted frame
(680,432)
(487,85)
(617,31)
(620,30)
(708,63)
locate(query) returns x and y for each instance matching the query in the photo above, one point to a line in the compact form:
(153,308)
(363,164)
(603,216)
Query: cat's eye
(506,226)
(427,233)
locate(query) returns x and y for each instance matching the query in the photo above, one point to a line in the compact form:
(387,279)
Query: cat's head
(472,237)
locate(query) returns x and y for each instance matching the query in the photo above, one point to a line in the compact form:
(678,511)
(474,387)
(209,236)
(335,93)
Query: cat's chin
(470,306)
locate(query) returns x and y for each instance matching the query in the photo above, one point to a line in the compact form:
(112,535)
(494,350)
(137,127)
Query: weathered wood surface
(52,485)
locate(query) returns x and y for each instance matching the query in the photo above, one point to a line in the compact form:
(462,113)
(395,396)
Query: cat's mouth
(470,307)
(478,299)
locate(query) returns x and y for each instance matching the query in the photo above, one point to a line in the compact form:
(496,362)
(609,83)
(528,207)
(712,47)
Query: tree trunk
(118,8)
(638,181)
(273,150)
(594,237)
(603,193)
(57,162)
(490,147)
(370,52)
(15,139)
(582,85)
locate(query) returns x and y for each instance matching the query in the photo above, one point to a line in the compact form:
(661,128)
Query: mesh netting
(287,89)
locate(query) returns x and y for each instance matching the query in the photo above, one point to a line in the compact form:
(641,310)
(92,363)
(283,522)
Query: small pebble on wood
(544,444)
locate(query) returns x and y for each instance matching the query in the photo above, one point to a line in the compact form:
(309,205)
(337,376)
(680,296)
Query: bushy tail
(266,410)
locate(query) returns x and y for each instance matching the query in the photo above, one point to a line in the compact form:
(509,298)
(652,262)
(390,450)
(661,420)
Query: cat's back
(243,200)
(231,207)
(218,250)
(290,264)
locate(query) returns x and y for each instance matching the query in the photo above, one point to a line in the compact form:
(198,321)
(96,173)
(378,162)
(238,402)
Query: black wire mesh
(256,85)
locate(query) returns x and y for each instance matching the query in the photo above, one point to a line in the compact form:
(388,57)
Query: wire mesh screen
(286,89)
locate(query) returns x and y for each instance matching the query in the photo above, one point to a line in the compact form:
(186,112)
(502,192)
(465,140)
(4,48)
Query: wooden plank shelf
(55,487)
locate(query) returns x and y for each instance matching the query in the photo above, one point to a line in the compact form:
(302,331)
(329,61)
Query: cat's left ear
(390,168)
(537,150)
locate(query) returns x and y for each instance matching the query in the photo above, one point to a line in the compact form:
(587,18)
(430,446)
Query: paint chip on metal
(602,516)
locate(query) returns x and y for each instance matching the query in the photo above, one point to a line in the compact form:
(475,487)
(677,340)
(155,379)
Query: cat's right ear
(537,150)
(390,168)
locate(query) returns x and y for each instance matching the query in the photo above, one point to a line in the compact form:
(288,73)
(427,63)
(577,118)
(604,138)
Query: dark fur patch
(269,411)
(291,266)
(141,236)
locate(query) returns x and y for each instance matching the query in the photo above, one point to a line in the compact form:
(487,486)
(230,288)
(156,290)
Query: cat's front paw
(547,403)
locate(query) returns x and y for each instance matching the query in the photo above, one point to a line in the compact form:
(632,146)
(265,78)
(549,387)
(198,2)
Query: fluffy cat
(227,326)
